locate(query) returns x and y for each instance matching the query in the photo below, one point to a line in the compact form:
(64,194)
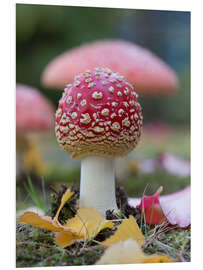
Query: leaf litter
(87,225)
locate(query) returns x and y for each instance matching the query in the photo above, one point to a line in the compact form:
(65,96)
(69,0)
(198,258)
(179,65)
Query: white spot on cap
(87,74)
(120,112)
(58,112)
(98,129)
(113,80)
(64,129)
(119,94)
(136,116)
(83,102)
(86,118)
(90,134)
(74,115)
(79,135)
(79,95)
(114,104)
(126,122)
(69,100)
(71,126)
(95,115)
(126,91)
(113,115)
(97,95)
(90,85)
(76,83)
(108,71)
(111,89)
(132,102)
(115,126)
(104,83)
(125,104)
(88,80)
(134,94)
(132,128)
(64,119)
(105,112)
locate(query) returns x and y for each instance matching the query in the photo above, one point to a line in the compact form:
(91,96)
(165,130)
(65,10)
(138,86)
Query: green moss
(35,247)
(174,243)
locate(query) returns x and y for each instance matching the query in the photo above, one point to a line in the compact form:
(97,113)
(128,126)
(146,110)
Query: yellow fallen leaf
(87,224)
(64,239)
(84,226)
(127,229)
(157,259)
(129,252)
(43,222)
(46,222)
(66,196)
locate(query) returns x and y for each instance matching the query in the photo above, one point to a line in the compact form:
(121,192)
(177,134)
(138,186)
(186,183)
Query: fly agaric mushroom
(97,120)
(142,68)
(34,113)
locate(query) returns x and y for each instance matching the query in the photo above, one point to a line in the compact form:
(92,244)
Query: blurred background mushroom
(34,115)
(148,73)
(51,30)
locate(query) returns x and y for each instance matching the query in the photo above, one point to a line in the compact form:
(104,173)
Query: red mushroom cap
(148,73)
(98,115)
(33,111)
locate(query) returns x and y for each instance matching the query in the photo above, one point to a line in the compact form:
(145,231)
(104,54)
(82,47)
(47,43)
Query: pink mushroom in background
(34,113)
(147,72)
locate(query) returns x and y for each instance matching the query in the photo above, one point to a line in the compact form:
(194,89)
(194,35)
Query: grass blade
(33,195)
(44,192)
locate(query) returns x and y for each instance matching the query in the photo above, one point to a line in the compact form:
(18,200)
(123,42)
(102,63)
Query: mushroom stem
(97,184)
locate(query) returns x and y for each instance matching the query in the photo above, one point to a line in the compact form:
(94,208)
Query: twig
(163,245)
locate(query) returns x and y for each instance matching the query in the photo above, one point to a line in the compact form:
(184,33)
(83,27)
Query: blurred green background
(43,32)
